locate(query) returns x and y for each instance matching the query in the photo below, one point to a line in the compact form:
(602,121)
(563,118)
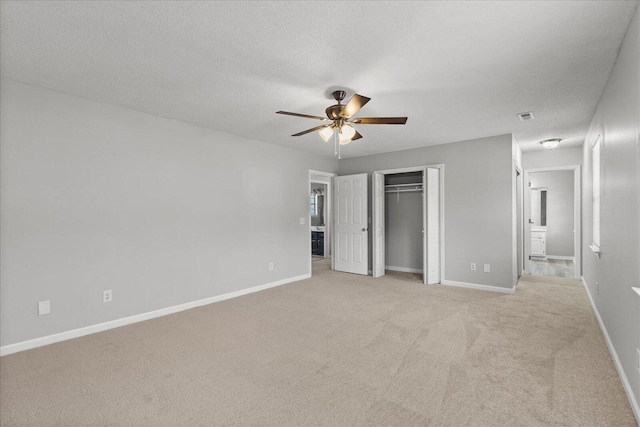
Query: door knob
(364,229)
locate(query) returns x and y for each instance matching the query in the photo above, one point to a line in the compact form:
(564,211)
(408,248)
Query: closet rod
(409,190)
(403,185)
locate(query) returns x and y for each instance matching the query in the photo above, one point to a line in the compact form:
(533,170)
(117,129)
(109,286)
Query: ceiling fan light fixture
(326,133)
(550,143)
(346,133)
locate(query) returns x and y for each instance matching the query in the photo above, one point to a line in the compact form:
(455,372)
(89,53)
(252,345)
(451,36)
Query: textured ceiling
(458,70)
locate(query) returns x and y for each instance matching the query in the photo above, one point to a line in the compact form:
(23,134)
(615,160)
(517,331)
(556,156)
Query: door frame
(328,200)
(577,215)
(378,212)
(519,264)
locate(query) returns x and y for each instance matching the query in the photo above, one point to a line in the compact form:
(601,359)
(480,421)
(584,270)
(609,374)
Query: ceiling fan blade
(302,115)
(354,105)
(380,120)
(304,132)
(356,136)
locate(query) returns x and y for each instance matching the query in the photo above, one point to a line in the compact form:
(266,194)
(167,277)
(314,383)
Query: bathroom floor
(553,267)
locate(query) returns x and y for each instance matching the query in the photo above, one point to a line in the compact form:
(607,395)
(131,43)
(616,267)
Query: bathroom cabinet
(538,243)
(317,243)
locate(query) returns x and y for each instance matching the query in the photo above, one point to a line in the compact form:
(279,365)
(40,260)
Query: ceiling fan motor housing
(335,111)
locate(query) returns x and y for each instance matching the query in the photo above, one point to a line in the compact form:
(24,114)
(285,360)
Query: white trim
(561,257)
(403,269)
(616,360)
(479,287)
(87,330)
(552,168)
(404,170)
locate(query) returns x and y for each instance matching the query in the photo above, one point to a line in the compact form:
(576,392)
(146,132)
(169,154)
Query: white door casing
(425,225)
(351,224)
(378,225)
(432,208)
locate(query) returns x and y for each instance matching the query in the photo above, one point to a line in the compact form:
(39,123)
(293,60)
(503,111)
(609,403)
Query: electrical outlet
(270,266)
(473,266)
(44,307)
(597,288)
(487,268)
(302,221)
(107,296)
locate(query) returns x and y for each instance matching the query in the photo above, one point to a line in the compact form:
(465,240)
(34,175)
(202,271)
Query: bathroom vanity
(317,243)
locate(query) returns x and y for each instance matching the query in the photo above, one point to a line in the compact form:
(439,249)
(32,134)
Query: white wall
(478,203)
(568,156)
(617,119)
(560,216)
(99,197)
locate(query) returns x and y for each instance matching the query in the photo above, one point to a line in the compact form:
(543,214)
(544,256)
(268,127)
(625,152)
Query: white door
(351,216)
(432,268)
(378,225)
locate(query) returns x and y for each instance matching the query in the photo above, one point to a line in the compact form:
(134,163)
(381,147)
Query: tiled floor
(553,267)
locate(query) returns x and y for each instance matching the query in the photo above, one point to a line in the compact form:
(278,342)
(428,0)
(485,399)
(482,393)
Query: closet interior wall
(403,223)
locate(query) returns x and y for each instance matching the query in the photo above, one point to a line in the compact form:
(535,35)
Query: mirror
(539,207)
(317,207)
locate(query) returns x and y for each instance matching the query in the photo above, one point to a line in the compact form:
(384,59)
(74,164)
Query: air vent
(525,116)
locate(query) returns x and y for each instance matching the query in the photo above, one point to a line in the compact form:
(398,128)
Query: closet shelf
(403,188)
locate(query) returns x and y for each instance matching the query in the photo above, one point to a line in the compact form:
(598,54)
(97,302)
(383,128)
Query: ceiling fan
(341,117)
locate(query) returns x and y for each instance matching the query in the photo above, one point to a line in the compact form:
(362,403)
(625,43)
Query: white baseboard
(478,286)
(616,361)
(403,269)
(562,257)
(80,332)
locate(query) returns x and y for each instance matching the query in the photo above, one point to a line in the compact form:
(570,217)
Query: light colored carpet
(335,350)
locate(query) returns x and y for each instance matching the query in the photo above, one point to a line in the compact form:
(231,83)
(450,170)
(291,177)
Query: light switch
(302,221)
(44,307)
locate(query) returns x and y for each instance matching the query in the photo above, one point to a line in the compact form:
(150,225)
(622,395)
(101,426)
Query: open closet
(407,218)
(403,222)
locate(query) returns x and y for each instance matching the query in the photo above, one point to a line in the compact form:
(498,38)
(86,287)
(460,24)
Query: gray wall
(403,224)
(479,221)
(96,197)
(617,119)
(560,218)
(568,156)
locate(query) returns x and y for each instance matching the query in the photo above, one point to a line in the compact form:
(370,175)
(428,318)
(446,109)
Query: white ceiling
(458,70)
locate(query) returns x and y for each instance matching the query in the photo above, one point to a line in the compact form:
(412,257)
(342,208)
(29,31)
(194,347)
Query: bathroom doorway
(320,209)
(552,222)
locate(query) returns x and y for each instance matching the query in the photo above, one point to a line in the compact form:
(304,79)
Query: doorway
(552,221)
(408,221)
(320,216)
